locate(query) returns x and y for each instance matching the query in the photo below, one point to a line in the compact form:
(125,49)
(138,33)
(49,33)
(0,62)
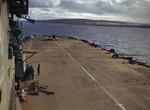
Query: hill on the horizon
(93,22)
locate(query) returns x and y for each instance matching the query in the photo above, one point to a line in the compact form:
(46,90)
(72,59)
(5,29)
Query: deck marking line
(109,94)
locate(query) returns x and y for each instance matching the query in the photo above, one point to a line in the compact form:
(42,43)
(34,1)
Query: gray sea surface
(127,41)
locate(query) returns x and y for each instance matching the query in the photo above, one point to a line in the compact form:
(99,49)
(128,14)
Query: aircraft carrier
(75,74)
(82,76)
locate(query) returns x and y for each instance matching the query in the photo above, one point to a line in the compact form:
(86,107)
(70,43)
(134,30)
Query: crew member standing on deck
(54,37)
(27,74)
(38,69)
(31,72)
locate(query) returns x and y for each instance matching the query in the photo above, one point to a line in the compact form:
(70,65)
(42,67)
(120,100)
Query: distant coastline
(94,23)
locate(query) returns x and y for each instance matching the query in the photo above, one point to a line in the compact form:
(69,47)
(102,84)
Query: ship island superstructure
(10,50)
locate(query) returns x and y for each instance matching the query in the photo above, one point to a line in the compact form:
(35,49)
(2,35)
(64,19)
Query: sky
(118,10)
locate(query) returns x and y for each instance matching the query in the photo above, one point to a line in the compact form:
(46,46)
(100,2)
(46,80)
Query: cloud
(44,3)
(79,6)
(128,10)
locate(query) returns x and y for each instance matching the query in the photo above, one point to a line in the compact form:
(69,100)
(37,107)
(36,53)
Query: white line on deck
(109,94)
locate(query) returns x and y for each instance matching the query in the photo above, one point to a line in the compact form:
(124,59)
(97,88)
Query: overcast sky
(119,10)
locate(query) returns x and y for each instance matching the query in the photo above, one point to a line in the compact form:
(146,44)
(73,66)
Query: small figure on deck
(38,69)
(31,72)
(27,72)
(53,37)
(22,94)
(18,85)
